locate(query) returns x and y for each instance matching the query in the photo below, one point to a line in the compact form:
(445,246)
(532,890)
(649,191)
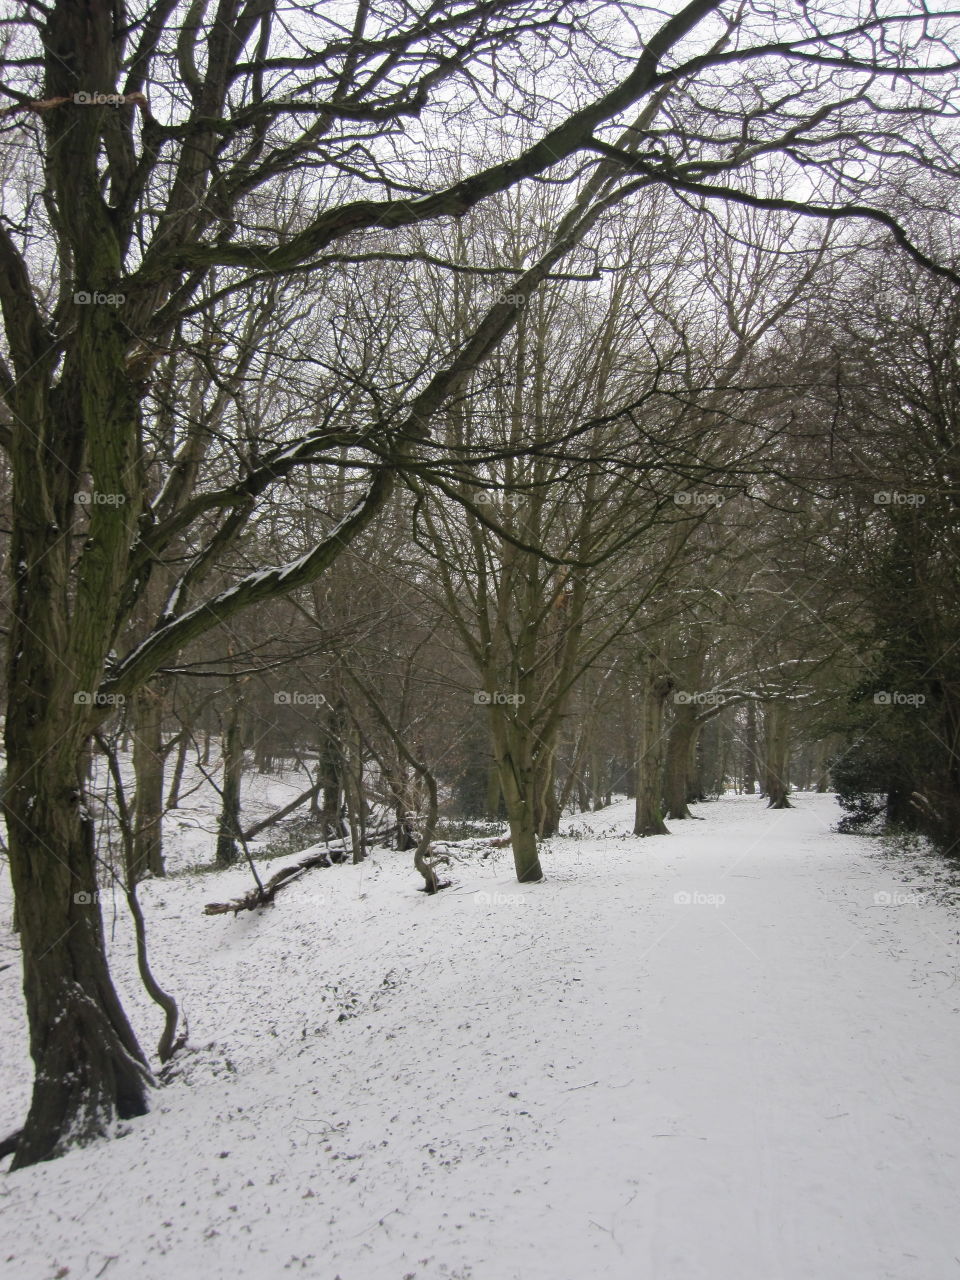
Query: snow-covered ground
(732,1054)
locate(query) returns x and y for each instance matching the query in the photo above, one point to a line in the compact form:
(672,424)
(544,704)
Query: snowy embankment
(732,1054)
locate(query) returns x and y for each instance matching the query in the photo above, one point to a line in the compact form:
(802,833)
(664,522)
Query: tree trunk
(89,1067)
(777,755)
(680,745)
(330,772)
(148,760)
(719,784)
(750,750)
(695,770)
(523,835)
(229,829)
(183,746)
(354,797)
(495,805)
(821,773)
(513,750)
(547,810)
(655,688)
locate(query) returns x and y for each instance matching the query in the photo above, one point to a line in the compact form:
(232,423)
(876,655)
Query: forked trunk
(89,1069)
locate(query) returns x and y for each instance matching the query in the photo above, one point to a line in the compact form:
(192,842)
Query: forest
(428,425)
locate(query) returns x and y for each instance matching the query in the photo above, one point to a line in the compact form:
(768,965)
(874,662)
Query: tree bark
(513,752)
(680,746)
(89,1066)
(655,688)
(750,750)
(229,829)
(354,798)
(330,772)
(495,806)
(183,746)
(547,812)
(776,754)
(148,762)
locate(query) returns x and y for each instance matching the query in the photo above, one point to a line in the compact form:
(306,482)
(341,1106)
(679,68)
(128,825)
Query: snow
(591,1077)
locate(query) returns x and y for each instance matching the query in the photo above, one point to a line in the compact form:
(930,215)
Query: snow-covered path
(731,1053)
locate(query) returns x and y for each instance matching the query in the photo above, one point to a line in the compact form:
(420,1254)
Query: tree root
(432,883)
(9,1144)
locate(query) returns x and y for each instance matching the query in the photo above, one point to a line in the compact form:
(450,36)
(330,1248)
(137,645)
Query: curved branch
(170,637)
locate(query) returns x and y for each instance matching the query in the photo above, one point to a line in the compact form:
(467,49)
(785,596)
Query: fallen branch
(280,814)
(261,895)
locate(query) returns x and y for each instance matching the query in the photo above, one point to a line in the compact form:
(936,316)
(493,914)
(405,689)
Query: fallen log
(279,814)
(257,897)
